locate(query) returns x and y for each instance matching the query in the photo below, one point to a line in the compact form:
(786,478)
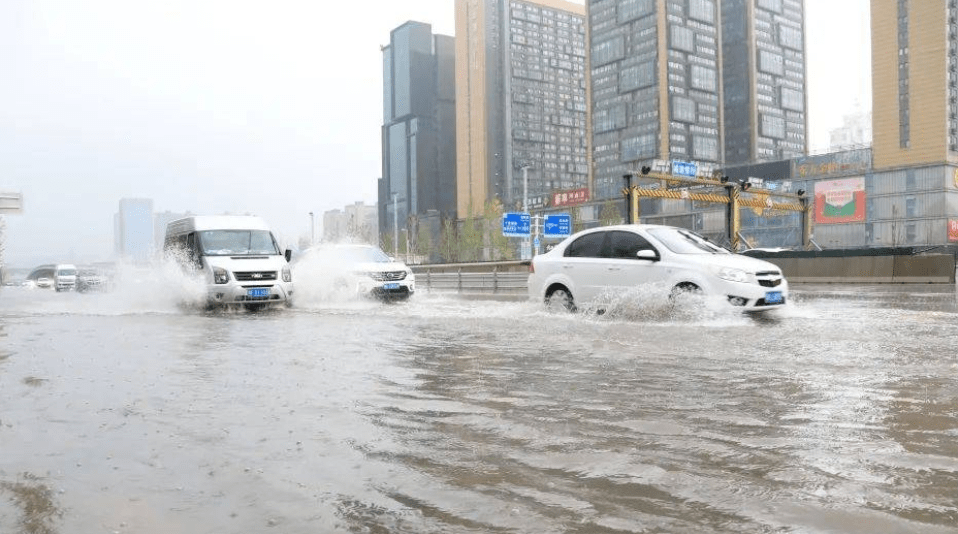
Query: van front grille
(255,276)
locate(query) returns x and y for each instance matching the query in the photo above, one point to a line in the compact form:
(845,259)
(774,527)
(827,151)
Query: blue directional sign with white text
(515,224)
(684,168)
(558,225)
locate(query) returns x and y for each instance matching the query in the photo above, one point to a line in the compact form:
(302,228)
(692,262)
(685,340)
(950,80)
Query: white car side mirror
(647,254)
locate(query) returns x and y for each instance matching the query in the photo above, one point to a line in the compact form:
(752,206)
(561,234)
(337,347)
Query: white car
(356,268)
(596,262)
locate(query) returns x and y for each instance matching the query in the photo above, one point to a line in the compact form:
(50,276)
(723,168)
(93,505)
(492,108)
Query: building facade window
(702,10)
(681,38)
(904,126)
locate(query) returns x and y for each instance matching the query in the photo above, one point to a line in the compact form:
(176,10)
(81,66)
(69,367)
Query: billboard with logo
(840,201)
(571,197)
(953,230)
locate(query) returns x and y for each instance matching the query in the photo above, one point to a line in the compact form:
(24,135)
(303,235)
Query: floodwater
(123,412)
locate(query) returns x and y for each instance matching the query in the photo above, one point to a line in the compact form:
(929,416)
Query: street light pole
(525,207)
(312,229)
(525,189)
(395,225)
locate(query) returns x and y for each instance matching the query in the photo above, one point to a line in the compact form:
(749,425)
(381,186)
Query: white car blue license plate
(773,297)
(258,292)
(391,286)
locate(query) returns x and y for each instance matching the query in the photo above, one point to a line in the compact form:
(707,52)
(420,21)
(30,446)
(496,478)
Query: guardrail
(507,283)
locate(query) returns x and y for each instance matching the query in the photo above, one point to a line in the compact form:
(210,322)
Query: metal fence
(509,284)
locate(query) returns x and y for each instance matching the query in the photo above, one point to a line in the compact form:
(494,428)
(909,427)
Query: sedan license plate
(773,297)
(258,292)
(391,286)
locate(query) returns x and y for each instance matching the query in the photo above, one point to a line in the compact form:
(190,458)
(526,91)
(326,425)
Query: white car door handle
(615,268)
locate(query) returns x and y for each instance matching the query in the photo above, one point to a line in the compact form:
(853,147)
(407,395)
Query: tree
(470,240)
(449,241)
(609,214)
(500,247)
(424,245)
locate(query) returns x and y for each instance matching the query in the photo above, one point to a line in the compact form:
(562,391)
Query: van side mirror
(646,254)
(289,255)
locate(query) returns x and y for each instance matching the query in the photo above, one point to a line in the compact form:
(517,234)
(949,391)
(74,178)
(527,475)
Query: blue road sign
(515,224)
(684,168)
(559,225)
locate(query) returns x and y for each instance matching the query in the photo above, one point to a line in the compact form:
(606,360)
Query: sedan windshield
(682,241)
(237,243)
(363,255)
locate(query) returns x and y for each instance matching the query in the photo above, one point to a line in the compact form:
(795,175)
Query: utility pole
(312,230)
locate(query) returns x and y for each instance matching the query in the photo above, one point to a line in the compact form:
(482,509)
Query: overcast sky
(213,106)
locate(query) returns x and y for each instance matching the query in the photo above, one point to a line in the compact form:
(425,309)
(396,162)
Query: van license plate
(258,292)
(773,297)
(391,286)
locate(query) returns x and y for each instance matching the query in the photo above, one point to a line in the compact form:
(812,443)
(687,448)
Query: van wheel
(560,300)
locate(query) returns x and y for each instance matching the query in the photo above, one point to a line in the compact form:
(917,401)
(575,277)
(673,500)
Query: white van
(237,256)
(65,277)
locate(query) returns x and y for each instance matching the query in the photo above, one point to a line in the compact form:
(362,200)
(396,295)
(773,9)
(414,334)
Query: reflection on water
(444,415)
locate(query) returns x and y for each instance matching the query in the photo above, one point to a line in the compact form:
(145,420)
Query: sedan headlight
(732,274)
(287,275)
(220,275)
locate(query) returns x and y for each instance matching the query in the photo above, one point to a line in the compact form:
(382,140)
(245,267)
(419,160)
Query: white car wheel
(560,300)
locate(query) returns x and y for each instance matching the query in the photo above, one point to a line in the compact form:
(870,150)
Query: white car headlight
(287,275)
(731,274)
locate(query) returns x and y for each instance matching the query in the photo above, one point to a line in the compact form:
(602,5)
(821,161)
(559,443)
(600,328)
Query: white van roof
(216,222)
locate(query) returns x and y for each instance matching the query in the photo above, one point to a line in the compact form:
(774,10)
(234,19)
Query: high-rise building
(915,82)
(521,105)
(912,195)
(419,132)
(763,79)
(355,223)
(133,228)
(698,81)
(855,131)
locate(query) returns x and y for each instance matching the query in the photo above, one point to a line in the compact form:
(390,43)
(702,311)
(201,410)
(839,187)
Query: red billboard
(570,197)
(953,230)
(840,201)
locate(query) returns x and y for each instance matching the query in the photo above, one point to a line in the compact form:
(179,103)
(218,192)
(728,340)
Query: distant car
(41,277)
(356,268)
(595,262)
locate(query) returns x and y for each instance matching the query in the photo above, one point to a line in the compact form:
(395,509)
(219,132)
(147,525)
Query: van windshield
(67,272)
(237,243)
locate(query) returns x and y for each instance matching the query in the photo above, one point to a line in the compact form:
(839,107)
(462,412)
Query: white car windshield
(682,241)
(362,255)
(237,243)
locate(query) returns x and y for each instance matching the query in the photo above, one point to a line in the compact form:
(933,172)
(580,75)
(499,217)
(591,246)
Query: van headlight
(287,275)
(220,275)
(731,274)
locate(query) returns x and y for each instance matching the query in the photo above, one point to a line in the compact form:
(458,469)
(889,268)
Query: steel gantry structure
(717,189)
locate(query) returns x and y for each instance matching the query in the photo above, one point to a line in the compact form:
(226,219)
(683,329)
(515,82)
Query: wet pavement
(123,412)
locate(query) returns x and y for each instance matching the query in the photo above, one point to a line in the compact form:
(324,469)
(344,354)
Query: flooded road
(123,413)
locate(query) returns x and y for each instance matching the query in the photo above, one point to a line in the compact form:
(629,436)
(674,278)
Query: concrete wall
(888,269)
(931,269)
